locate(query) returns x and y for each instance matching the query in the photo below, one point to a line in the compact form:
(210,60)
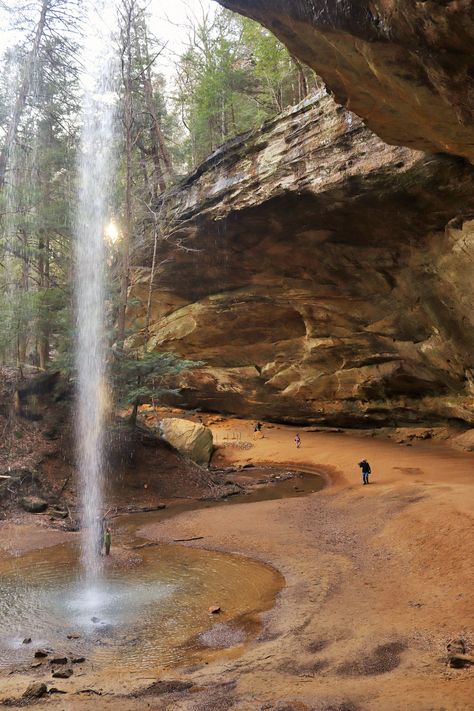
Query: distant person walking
(257,430)
(298,440)
(365,467)
(107,540)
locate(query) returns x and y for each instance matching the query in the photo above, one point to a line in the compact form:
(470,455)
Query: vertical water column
(95,170)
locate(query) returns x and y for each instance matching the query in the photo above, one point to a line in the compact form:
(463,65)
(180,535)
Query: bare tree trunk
(128,13)
(25,273)
(22,94)
(302,82)
(160,149)
(134,414)
(43,270)
(152,277)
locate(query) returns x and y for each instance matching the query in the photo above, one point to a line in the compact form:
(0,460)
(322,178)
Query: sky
(170,15)
(168,23)
(167,20)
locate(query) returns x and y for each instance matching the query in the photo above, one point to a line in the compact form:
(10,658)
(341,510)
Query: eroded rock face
(321,274)
(406,67)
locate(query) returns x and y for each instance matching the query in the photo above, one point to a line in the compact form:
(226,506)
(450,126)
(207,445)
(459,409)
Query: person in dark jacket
(107,540)
(365,467)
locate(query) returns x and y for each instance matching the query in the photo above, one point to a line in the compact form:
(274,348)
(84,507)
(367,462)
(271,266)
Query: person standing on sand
(100,535)
(107,540)
(257,430)
(365,466)
(298,440)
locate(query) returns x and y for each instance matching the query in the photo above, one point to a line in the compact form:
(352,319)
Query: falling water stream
(95,171)
(148,608)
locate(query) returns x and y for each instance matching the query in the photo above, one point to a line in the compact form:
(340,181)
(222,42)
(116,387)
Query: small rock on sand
(41,653)
(58,660)
(62,673)
(33,504)
(214,609)
(78,660)
(27,640)
(35,690)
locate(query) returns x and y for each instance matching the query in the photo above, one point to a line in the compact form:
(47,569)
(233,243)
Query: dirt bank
(378,579)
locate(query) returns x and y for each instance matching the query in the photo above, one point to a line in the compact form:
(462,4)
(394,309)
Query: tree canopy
(231,75)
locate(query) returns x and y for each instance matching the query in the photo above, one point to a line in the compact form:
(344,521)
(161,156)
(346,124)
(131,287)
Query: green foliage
(37,201)
(142,378)
(233,75)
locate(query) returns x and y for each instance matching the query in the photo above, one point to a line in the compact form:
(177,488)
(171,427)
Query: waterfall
(96,162)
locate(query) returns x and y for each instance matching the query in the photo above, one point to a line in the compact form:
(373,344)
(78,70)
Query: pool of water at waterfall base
(151,609)
(147,614)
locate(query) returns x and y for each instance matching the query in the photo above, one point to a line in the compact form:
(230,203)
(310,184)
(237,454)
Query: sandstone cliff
(321,274)
(406,67)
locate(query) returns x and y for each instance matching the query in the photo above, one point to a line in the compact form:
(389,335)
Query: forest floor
(379,579)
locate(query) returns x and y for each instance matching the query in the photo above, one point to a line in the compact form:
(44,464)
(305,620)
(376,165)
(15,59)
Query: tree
(23,90)
(147,164)
(141,378)
(37,200)
(54,17)
(233,75)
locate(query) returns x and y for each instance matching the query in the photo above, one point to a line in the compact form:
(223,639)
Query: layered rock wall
(406,67)
(321,274)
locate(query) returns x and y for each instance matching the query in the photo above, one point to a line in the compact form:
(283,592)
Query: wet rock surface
(380,660)
(41,653)
(222,636)
(168,686)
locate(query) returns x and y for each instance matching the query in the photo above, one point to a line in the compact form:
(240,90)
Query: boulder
(35,690)
(33,504)
(58,660)
(41,653)
(62,673)
(191,439)
(464,441)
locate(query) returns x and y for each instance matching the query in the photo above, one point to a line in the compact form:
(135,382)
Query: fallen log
(184,540)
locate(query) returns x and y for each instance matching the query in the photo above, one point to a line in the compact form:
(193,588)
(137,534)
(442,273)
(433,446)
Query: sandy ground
(378,579)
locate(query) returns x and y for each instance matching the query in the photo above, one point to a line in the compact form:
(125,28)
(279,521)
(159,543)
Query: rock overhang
(405,67)
(301,266)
